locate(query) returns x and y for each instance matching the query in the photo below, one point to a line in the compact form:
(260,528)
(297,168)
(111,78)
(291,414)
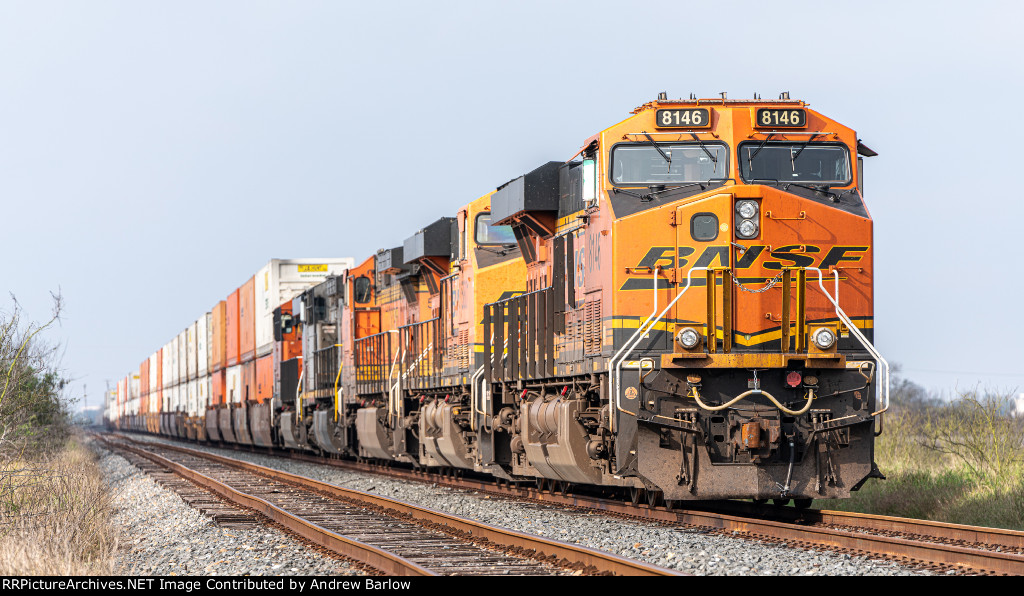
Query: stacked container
(191,350)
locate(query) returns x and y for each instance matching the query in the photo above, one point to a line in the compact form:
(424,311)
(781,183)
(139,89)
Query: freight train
(682,310)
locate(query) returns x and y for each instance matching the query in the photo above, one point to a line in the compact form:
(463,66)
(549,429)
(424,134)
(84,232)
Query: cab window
(819,163)
(487,234)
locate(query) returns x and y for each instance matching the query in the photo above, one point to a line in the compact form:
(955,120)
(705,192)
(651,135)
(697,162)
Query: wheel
(780,502)
(802,503)
(634,495)
(760,501)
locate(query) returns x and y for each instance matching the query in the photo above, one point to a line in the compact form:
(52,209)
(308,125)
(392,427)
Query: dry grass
(959,462)
(54,513)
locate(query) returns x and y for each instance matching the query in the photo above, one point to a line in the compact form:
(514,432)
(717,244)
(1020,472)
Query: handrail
(615,365)
(883,388)
(473,386)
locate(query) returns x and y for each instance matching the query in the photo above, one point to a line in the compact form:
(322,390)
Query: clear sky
(153,155)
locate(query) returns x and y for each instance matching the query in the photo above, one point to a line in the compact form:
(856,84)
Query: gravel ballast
(161,535)
(689,550)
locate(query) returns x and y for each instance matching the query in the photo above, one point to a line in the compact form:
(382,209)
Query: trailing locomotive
(683,309)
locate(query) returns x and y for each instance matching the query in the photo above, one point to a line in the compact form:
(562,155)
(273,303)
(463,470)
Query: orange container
(144,387)
(248,391)
(231,327)
(159,380)
(264,378)
(247,321)
(218,335)
(217,387)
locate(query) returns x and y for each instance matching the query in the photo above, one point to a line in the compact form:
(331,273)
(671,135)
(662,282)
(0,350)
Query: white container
(190,404)
(203,346)
(191,349)
(183,356)
(203,387)
(279,281)
(154,381)
(172,361)
(233,385)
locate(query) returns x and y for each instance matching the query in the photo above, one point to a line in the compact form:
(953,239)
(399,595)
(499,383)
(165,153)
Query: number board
(780,118)
(686,118)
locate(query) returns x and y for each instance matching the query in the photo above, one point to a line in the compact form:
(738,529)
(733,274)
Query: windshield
(488,234)
(644,164)
(795,162)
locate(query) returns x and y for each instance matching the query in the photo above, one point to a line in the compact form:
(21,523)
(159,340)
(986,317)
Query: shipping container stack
(217,379)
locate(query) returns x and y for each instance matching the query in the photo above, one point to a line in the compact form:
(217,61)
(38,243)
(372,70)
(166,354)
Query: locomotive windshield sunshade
(684,308)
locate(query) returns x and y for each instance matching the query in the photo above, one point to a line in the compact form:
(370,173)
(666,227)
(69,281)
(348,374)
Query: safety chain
(769,285)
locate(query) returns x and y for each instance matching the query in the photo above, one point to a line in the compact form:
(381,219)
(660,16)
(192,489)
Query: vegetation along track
(391,536)
(920,543)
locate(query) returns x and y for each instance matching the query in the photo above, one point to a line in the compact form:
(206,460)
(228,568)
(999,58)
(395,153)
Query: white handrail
(882,391)
(473,400)
(635,340)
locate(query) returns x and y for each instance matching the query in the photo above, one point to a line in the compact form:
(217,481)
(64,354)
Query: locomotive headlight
(747,209)
(747,228)
(823,338)
(688,337)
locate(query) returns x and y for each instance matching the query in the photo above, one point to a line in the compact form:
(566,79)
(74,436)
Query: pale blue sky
(147,143)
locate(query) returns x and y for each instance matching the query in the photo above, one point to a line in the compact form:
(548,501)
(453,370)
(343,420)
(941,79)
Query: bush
(53,504)
(33,412)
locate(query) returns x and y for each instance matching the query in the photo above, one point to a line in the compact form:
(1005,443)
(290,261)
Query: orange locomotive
(683,309)
(698,316)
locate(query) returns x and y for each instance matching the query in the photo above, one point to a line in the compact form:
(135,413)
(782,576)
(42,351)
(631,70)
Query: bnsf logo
(795,255)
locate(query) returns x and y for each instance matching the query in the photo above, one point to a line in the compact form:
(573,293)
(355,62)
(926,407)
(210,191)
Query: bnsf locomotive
(683,309)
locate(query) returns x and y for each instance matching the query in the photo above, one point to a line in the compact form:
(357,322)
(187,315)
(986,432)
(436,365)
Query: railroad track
(391,536)
(919,543)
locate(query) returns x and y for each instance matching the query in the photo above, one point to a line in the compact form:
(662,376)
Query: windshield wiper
(650,196)
(656,146)
(750,158)
(792,157)
(714,159)
(503,251)
(822,188)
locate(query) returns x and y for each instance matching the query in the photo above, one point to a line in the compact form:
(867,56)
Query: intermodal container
(183,356)
(231,327)
(203,346)
(193,398)
(279,281)
(218,336)
(202,394)
(166,378)
(191,350)
(264,378)
(246,321)
(248,381)
(233,384)
(217,390)
(144,386)
(154,382)
(172,361)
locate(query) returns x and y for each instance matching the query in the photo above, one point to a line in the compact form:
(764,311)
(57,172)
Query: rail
(543,548)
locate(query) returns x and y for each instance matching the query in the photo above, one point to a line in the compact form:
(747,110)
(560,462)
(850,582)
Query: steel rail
(386,562)
(749,518)
(544,547)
